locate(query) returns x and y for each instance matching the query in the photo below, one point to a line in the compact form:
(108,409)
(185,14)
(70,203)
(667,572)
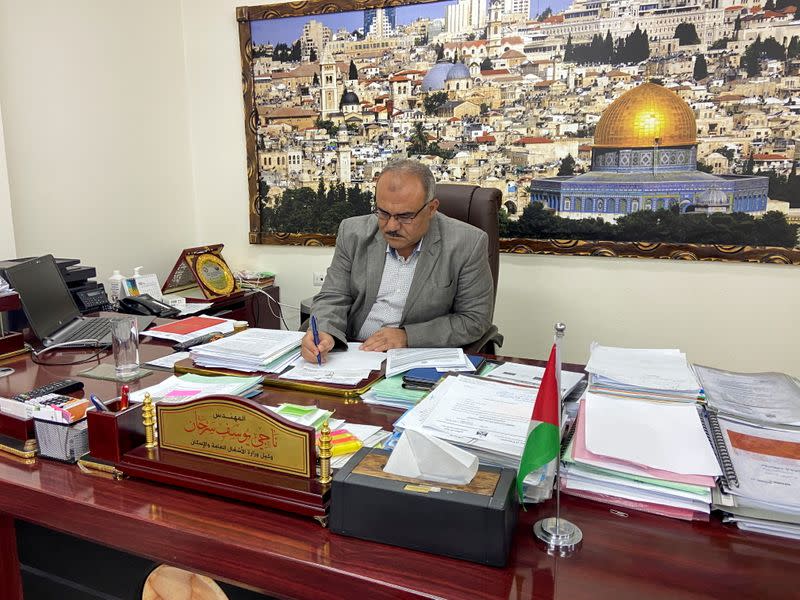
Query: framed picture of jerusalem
(666,129)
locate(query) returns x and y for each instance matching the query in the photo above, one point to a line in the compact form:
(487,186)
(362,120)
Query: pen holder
(112,434)
(66,442)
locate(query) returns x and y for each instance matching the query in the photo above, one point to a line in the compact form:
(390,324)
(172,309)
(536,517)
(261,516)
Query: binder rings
(717,439)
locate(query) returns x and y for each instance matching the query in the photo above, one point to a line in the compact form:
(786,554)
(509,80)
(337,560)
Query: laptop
(52,313)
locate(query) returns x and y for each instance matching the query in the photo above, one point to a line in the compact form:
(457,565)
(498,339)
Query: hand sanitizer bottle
(114,287)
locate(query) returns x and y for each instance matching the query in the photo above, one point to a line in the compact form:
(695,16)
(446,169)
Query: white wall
(7,246)
(96,131)
(102,112)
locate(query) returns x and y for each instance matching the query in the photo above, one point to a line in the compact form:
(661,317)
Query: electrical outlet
(317,278)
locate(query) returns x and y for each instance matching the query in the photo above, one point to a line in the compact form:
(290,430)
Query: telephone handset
(145,304)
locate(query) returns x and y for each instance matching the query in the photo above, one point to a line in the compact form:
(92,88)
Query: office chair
(479,207)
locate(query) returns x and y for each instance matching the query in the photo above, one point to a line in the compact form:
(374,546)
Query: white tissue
(423,456)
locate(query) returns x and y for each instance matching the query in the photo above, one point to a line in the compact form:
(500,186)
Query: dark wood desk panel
(253,307)
(640,556)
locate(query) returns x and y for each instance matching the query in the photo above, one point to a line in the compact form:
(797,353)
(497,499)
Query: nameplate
(238,431)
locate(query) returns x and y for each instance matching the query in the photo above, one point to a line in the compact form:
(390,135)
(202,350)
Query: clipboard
(272,380)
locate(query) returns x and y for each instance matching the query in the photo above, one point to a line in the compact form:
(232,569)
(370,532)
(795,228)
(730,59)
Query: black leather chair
(479,207)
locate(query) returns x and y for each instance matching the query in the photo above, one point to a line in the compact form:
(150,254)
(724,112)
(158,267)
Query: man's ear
(434,205)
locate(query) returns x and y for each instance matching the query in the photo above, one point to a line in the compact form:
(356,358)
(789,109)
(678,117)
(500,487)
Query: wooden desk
(639,556)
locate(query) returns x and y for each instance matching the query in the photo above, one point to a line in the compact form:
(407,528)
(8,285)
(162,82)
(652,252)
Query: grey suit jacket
(451,300)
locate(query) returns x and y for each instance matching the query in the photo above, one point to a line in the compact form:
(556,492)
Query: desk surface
(640,556)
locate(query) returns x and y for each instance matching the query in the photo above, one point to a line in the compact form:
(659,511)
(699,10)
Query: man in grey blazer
(405,276)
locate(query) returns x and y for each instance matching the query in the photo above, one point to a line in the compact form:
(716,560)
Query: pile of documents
(642,374)
(390,392)
(487,418)
(400,360)
(753,419)
(648,456)
(188,387)
(344,368)
(190,329)
(252,350)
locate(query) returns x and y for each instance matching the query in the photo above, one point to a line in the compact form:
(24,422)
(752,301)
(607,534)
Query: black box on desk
(474,522)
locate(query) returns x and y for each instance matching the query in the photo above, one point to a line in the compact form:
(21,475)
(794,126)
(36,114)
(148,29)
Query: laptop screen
(43,294)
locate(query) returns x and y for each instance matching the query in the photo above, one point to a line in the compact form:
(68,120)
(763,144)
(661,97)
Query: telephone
(145,304)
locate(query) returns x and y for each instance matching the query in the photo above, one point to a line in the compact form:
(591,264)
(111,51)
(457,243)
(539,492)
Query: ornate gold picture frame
(314,125)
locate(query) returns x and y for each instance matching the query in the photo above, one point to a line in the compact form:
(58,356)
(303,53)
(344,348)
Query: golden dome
(642,115)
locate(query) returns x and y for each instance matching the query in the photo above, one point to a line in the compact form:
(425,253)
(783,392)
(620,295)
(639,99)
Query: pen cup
(125,344)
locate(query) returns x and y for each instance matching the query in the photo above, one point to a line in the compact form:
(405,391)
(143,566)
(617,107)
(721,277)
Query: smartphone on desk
(145,304)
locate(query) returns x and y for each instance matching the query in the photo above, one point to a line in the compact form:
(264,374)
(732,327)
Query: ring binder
(717,439)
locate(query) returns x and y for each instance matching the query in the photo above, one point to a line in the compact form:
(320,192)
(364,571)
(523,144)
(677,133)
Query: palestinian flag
(543,434)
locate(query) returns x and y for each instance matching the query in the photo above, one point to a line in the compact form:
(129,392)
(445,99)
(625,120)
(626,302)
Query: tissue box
(472,522)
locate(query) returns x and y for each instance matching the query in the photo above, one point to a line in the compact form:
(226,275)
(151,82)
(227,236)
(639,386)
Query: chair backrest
(479,207)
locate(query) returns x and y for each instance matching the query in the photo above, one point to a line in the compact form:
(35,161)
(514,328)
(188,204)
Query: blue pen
(315,333)
(98,404)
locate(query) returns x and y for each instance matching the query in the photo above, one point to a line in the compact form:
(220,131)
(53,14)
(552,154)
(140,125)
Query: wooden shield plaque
(238,431)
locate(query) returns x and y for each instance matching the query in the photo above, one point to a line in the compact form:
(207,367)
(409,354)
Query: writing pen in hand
(315,333)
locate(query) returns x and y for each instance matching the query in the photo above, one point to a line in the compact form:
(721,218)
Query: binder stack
(753,420)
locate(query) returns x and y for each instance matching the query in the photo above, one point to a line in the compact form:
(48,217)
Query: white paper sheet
(168,361)
(657,435)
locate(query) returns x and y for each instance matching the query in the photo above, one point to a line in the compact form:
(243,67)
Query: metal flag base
(558,534)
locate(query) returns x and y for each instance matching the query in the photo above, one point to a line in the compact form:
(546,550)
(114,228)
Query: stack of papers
(252,350)
(532,376)
(487,418)
(344,368)
(662,375)
(400,360)
(188,387)
(190,329)
(390,392)
(648,456)
(753,418)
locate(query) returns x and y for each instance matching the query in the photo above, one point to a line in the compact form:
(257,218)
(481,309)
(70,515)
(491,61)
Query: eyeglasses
(404,218)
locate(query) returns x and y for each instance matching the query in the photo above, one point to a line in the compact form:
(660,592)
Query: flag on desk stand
(544,445)
(544,436)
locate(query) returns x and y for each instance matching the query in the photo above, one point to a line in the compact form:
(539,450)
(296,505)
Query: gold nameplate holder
(234,447)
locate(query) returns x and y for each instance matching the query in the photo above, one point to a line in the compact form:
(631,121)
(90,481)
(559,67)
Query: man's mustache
(392,234)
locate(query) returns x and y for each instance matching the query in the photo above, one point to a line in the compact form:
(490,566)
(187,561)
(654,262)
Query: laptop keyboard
(91,329)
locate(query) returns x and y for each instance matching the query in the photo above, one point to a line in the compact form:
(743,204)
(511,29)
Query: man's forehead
(408,185)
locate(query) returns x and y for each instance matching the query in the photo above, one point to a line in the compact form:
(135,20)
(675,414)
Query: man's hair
(418,170)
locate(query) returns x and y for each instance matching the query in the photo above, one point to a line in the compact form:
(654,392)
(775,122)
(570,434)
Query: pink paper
(581,452)
(181,393)
(686,514)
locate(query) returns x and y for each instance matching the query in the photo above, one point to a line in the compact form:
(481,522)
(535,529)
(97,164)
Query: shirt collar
(391,251)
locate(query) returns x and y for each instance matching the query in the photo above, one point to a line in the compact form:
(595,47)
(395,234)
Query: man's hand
(309,350)
(384,339)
